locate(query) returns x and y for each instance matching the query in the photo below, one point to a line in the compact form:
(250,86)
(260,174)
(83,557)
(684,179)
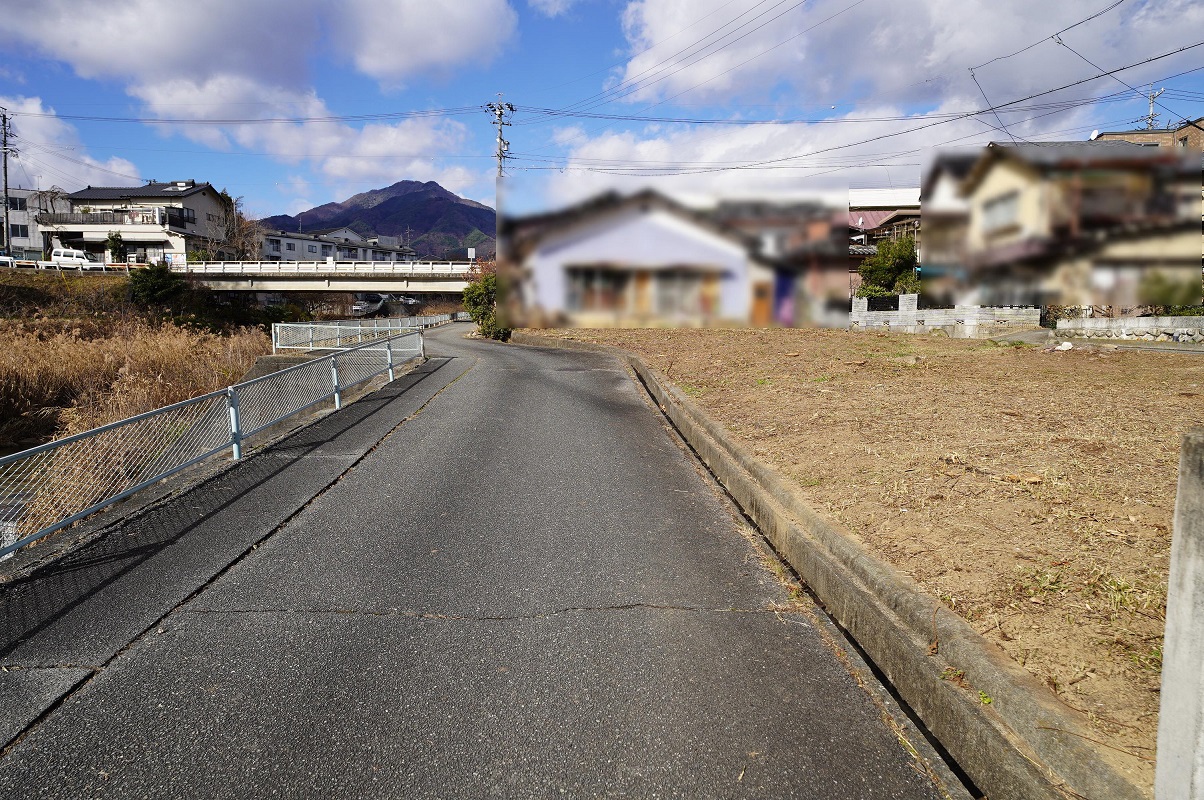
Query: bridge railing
(324,267)
(49,487)
(337,334)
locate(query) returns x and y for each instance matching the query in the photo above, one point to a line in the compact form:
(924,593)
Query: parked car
(366,305)
(64,257)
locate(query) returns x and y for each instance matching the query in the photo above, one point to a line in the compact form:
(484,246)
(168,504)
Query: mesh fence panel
(58,482)
(357,366)
(334,335)
(270,399)
(50,486)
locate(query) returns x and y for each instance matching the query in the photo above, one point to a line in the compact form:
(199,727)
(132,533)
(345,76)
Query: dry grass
(1031,492)
(69,376)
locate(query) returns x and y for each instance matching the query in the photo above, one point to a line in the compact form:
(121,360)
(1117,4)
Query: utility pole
(8,239)
(501,114)
(1150,117)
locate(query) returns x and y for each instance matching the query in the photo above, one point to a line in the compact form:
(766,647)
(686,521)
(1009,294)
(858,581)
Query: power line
(442,112)
(638,53)
(993,108)
(632,83)
(1153,98)
(1099,13)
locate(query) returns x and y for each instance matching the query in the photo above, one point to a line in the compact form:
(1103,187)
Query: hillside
(438,221)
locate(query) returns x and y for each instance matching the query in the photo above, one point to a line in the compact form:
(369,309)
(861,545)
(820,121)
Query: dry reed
(68,377)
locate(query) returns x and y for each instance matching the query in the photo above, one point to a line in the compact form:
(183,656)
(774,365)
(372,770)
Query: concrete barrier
(1180,768)
(1024,744)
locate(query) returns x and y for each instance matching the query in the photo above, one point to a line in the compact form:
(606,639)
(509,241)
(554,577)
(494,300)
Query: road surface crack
(460,617)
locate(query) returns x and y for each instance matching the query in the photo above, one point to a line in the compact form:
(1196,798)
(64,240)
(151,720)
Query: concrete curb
(1024,744)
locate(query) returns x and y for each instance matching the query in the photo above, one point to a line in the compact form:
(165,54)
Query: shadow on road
(182,529)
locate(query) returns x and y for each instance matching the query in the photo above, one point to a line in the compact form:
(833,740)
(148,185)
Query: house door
(762,307)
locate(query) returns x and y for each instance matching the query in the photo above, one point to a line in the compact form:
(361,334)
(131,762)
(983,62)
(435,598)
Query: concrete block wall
(1148,329)
(962,322)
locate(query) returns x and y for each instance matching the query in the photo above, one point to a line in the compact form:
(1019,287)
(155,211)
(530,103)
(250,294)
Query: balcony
(150,216)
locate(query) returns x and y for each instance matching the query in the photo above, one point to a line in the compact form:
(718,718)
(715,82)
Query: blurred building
(1071,223)
(805,243)
(636,260)
(1187,135)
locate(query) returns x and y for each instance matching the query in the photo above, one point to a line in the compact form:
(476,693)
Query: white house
(638,260)
(157,222)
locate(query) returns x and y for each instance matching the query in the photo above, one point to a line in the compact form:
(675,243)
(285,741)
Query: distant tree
(891,270)
(156,285)
(480,301)
(115,244)
(236,237)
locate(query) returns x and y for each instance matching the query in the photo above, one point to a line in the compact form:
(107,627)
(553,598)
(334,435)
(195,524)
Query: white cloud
(376,153)
(879,59)
(551,8)
(884,148)
(267,41)
(881,48)
(50,153)
(394,41)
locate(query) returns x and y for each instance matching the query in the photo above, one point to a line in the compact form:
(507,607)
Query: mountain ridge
(437,223)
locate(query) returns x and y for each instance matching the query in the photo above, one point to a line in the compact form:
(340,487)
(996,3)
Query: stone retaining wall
(1148,329)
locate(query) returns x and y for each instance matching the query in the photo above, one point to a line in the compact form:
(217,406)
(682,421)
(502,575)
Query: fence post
(275,338)
(421,345)
(389,356)
(311,337)
(1179,772)
(334,376)
(235,422)
(338,335)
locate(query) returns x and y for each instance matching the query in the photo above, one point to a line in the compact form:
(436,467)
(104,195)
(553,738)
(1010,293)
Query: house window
(211,217)
(16,204)
(290,246)
(18,231)
(677,292)
(188,214)
(1183,141)
(274,245)
(596,290)
(327,250)
(313,248)
(1001,212)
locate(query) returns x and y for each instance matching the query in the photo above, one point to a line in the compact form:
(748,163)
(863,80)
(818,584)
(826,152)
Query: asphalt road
(499,576)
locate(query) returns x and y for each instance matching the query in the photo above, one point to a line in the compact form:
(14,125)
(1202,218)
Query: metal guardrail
(47,488)
(336,334)
(325,267)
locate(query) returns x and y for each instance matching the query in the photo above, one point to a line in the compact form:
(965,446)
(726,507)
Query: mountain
(438,221)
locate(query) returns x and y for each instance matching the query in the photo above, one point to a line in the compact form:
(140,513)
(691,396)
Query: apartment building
(24,235)
(337,244)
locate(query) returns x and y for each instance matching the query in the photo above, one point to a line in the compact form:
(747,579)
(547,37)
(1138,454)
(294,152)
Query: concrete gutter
(1004,728)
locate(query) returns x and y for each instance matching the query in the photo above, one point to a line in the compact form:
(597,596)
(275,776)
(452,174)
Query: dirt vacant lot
(1031,491)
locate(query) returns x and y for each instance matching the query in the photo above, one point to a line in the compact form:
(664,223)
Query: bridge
(407,277)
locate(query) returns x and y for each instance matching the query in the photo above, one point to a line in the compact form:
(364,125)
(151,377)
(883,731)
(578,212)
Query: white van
(62,257)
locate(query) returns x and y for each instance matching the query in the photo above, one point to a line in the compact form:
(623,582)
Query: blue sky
(880,83)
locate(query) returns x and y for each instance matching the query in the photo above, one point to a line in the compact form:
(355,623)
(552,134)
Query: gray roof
(151,191)
(1054,153)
